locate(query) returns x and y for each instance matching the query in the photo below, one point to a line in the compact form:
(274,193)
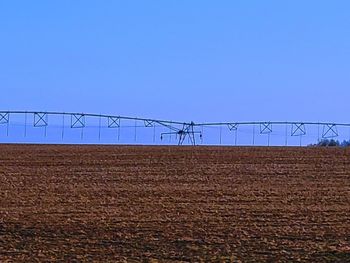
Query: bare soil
(174,204)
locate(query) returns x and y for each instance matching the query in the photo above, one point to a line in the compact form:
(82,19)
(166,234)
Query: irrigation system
(180,133)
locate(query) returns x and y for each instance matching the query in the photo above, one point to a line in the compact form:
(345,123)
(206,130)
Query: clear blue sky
(178,59)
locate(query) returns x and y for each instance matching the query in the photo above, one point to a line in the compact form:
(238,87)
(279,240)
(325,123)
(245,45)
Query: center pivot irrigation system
(185,132)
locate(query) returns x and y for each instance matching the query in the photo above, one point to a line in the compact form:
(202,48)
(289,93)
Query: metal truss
(40,119)
(185,132)
(265,128)
(298,129)
(113,122)
(4,118)
(329,131)
(232,126)
(77,120)
(149,123)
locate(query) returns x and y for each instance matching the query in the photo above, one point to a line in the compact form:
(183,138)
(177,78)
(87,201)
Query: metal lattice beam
(113,122)
(149,123)
(265,128)
(40,119)
(78,121)
(298,129)
(232,126)
(182,130)
(4,118)
(329,131)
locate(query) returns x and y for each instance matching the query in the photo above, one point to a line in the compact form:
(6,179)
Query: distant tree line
(331,143)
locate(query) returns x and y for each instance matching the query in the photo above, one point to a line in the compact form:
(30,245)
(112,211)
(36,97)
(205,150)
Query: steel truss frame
(149,123)
(77,120)
(4,117)
(298,129)
(187,131)
(181,130)
(113,122)
(329,131)
(40,119)
(265,128)
(233,126)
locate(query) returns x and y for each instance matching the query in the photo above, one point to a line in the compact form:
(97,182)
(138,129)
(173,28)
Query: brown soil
(171,204)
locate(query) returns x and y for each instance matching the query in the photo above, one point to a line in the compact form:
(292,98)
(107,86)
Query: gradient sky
(178,59)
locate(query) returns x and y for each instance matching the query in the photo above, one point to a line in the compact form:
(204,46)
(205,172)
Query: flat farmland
(174,204)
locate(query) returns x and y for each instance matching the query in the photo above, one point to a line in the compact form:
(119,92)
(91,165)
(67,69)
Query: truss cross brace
(148,123)
(233,126)
(77,121)
(298,129)
(329,131)
(113,122)
(265,128)
(4,118)
(40,119)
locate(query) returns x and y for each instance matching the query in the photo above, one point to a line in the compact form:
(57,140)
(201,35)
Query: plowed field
(173,204)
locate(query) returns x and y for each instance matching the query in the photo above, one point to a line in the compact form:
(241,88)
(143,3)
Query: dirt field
(170,204)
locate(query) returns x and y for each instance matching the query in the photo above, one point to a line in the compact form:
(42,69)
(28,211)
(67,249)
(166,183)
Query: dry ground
(170,204)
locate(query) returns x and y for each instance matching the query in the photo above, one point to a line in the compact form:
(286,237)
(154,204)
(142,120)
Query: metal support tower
(187,131)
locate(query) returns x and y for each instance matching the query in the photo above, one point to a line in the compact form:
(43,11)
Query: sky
(180,60)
